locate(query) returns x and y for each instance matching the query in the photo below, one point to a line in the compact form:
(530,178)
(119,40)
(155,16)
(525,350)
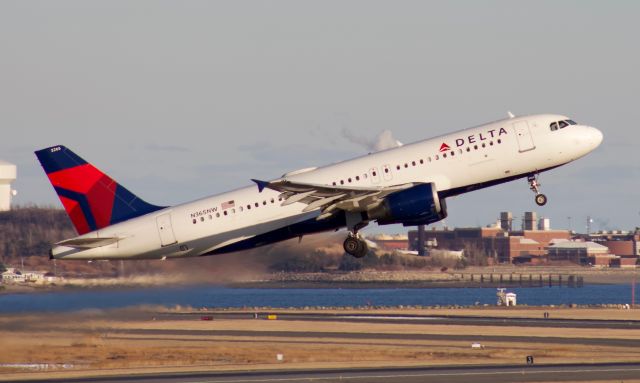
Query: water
(216,296)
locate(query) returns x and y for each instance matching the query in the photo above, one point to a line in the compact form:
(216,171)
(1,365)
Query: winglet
(261,184)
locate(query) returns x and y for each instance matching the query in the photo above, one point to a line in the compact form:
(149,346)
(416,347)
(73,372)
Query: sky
(178,100)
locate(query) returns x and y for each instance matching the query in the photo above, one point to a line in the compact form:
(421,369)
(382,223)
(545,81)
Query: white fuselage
(477,157)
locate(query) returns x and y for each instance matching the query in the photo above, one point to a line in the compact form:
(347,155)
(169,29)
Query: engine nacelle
(419,205)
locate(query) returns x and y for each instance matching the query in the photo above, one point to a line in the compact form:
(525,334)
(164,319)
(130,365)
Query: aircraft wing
(329,199)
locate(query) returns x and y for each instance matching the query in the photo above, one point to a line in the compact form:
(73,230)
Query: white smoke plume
(382,141)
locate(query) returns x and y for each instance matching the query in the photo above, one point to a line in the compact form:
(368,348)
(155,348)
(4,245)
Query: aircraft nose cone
(596,137)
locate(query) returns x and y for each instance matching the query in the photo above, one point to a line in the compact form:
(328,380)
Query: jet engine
(419,205)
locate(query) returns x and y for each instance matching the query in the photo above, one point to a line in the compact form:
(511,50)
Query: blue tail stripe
(58,158)
(126,206)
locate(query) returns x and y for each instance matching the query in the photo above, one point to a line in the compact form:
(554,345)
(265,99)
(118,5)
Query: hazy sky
(179,100)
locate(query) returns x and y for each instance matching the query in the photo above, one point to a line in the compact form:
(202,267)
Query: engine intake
(419,205)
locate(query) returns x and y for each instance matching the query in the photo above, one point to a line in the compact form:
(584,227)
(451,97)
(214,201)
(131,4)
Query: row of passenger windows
(561,124)
(374,173)
(233,210)
(406,165)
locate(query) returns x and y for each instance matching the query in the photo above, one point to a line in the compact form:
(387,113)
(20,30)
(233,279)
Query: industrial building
(535,243)
(8,174)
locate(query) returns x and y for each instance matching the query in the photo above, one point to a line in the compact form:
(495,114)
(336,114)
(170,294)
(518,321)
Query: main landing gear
(354,244)
(541,199)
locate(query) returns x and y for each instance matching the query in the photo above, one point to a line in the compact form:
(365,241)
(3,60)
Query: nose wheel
(534,185)
(541,199)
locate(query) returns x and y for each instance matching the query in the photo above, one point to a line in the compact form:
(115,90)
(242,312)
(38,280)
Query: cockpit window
(561,124)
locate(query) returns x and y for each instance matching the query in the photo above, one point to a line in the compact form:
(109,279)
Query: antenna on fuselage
(510,114)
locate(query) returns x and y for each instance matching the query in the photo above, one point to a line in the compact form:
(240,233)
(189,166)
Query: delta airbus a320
(406,185)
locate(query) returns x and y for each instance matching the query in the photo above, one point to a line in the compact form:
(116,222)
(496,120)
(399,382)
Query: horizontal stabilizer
(88,243)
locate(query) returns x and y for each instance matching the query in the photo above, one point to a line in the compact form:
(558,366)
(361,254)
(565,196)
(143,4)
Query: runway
(452,374)
(419,319)
(255,334)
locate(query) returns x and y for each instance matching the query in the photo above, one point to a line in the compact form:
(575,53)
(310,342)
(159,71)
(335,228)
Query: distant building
(8,174)
(13,275)
(530,221)
(583,253)
(389,242)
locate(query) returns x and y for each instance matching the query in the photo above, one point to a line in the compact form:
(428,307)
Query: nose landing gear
(540,199)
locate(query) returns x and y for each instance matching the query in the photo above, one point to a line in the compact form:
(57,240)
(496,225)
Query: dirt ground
(114,342)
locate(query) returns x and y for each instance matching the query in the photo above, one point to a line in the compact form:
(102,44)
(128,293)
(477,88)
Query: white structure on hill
(7,176)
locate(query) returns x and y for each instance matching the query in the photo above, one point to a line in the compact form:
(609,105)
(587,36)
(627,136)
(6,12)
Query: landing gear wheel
(541,199)
(351,245)
(355,246)
(363,249)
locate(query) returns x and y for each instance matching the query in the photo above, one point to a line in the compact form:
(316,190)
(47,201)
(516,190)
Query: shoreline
(473,277)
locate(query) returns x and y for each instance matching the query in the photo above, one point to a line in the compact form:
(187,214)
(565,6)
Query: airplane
(406,185)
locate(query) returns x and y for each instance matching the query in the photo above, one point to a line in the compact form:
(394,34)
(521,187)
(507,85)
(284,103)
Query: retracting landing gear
(541,199)
(354,244)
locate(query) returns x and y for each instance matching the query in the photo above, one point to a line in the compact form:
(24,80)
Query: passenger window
(421,161)
(194,221)
(413,163)
(225,212)
(453,153)
(398,167)
(357,178)
(257,204)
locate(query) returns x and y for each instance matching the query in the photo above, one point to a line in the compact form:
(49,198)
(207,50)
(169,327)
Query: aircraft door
(375,177)
(523,135)
(165,230)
